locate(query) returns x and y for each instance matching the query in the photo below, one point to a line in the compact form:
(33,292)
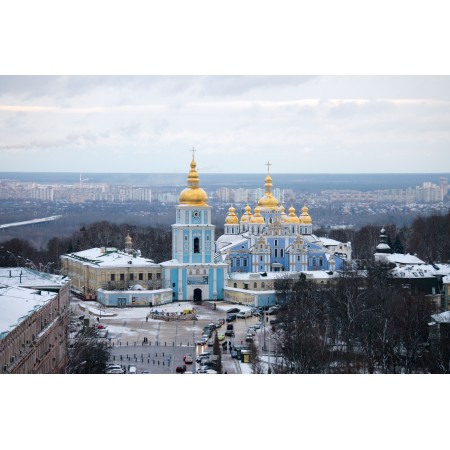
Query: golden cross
(268,166)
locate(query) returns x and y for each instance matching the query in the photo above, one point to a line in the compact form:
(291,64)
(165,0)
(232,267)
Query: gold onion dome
(247,215)
(292,218)
(305,218)
(232,217)
(257,218)
(193,195)
(268,200)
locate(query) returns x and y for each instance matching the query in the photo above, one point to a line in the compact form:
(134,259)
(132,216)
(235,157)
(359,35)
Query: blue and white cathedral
(263,241)
(269,240)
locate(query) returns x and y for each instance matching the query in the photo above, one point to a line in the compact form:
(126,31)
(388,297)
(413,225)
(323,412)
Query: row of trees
(364,323)
(428,237)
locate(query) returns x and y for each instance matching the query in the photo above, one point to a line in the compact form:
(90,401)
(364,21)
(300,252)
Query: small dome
(231,218)
(305,218)
(257,218)
(292,218)
(247,215)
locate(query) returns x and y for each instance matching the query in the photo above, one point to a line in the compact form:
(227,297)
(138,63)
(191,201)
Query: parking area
(157,346)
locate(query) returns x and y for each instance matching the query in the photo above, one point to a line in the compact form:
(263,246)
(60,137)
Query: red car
(100,327)
(188,359)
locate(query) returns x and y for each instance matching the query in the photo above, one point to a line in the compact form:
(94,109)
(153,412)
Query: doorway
(197,295)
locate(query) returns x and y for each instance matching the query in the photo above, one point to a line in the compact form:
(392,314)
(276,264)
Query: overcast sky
(304,124)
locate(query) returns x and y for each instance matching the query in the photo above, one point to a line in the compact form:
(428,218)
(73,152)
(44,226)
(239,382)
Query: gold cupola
(305,218)
(292,218)
(257,218)
(193,195)
(246,217)
(268,200)
(231,218)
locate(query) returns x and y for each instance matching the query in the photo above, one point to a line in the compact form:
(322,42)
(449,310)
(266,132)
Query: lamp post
(14,256)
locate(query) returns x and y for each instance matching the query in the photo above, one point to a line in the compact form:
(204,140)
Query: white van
(132,369)
(244,314)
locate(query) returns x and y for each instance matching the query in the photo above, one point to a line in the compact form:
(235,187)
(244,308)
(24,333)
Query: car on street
(229,333)
(180,369)
(231,318)
(230,326)
(233,310)
(251,332)
(132,369)
(257,326)
(188,359)
(221,337)
(244,314)
(249,338)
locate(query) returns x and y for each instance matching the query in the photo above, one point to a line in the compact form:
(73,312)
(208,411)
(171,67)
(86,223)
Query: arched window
(196,245)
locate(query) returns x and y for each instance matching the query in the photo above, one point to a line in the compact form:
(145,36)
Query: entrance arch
(197,295)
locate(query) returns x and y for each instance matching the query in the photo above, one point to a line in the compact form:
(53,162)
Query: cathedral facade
(269,240)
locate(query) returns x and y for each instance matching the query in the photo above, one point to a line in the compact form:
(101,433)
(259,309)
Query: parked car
(180,369)
(249,338)
(251,331)
(132,369)
(229,333)
(244,314)
(188,359)
(220,337)
(257,326)
(233,310)
(231,318)
(230,326)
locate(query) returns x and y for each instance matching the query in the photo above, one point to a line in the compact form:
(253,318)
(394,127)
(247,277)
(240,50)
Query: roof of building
(399,258)
(26,277)
(110,257)
(17,303)
(443,317)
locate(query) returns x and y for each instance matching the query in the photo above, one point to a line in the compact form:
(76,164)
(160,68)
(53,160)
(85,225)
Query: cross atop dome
(268,166)
(193,153)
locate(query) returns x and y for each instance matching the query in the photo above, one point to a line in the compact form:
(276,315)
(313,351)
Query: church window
(276,242)
(235,285)
(131,276)
(150,276)
(255,285)
(276,253)
(196,245)
(207,237)
(141,276)
(185,238)
(245,262)
(122,277)
(314,262)
(263,285)
(113,277)
(320,262)
(245,286)
(260,258)
(238,262)
(298,258)
(173,284)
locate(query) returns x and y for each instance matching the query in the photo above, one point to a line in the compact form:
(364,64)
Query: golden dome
(257,218)
(232,217)
(193,195)
(268,200)
(284,216)
(247,215)
(305,218)
(292,218)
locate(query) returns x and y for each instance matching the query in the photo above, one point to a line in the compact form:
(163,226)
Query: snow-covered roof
(17,303)
(110,257)
(383,247)
(443,317)
(251,276)
(25,277)
(228,241)
(176,263)
(399,258)
(329,242)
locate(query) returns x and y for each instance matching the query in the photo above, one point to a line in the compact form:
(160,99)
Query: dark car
(231,318)
(233,310)
(229,333)
(180,369)
(230,326)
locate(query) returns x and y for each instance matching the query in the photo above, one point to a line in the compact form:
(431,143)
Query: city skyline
(301,124)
